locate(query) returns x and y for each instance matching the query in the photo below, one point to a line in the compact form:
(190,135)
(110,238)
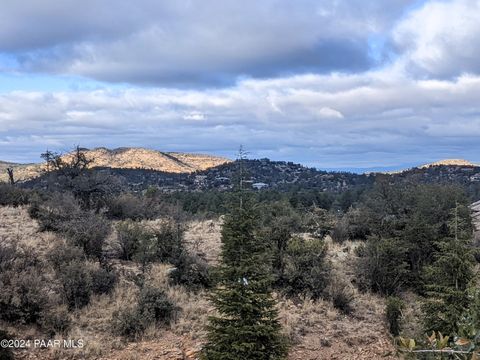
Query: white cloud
(421,104)
(381,114)
(194,115)
(326,112)
(441,38)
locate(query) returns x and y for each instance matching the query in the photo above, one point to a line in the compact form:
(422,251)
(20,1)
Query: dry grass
(203,238)
(16,227)
(195,307)
(317,329)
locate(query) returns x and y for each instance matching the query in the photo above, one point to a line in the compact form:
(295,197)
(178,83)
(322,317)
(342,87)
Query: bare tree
(11,178)
(70,165)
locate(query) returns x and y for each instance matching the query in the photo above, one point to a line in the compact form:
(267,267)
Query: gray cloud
(363,120)
(190,43)
(293,80)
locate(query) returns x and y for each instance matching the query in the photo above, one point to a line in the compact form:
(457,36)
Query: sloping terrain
(127,158)
(450,162)
(318,330)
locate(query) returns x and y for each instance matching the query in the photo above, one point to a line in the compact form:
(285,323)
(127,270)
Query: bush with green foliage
(279,220)
(191,272)
(76,282)
(169,241)
(356,223)
(393,313)
(128,323)
(24,288)
(103,280)
(340,233)
(383,267)
(146,244)
(129,235)
(153,307)
(307,271)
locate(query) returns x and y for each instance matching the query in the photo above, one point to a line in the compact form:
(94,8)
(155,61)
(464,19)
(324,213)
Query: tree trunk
(11,178)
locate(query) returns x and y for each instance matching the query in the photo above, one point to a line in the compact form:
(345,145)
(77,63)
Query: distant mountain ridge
(127,158)
(449,162)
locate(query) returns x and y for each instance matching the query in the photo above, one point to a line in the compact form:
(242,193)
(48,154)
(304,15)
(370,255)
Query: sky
(352,85)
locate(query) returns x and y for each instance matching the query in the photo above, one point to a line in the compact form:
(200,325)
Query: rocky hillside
(128,158)
(449,162)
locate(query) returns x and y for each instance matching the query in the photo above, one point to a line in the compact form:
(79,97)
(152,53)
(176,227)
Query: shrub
(191,271)
(103,280)
(87,230)
(129,234)
(76,283)
(383,267)
(52,213)
(356,220)
(339,233)
(306,269)
(64,254)
(24,289)
(23,296)
(56,320)
(393,313)
(128,323)
(8,255)
(169,241)
(342,295)
(155,306)
(447,282)
(145,245)
(13,196)
(146,250)
(128,206)
(138,207)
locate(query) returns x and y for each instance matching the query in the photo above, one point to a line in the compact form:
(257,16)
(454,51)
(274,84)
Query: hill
(260,174)
(449,162)
(126,158)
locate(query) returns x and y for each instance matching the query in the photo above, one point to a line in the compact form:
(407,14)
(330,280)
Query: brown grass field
(317,329)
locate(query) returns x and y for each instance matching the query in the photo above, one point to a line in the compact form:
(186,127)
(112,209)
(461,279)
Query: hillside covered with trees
(311,239)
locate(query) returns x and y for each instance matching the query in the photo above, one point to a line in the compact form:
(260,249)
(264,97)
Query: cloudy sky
(335,84)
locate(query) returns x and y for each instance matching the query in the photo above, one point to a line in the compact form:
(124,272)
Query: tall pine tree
(450,276)
(247,326)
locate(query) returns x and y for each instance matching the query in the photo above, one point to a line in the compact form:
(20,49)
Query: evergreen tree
(247,326)
(450,276)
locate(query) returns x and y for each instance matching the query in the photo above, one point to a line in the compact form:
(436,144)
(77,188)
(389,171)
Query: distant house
(200,178)
(475,177)
(259,185)
(222,179)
